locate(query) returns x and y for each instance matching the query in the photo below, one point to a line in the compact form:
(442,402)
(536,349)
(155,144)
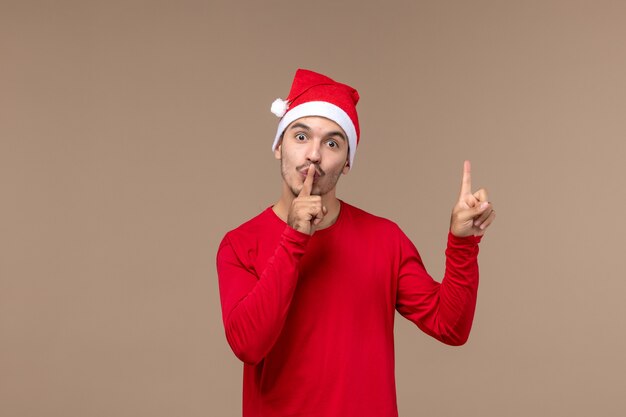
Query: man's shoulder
(259,225)
(258,221)
(388,233)
(364,218)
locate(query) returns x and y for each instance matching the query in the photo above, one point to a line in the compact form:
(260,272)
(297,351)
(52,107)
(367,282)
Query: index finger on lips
(308,182)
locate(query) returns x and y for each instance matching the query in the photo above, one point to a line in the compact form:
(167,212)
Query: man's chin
(296,193)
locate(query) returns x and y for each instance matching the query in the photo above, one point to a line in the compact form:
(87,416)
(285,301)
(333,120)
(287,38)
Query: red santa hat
(314,94)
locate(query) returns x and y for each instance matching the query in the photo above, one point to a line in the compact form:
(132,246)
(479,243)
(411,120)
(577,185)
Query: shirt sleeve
(443,310)
(254,306)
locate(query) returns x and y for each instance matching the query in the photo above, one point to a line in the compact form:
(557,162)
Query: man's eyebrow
(299,126)
(337,133)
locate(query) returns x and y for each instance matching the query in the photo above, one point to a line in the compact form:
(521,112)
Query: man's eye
(332,144)
(300,136)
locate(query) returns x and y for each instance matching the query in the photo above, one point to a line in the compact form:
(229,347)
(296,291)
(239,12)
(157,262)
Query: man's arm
(446,310)
(443,310)
(254,307)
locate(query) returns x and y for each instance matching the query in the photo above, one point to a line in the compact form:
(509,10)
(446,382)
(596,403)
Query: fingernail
(477,223)
(484,205)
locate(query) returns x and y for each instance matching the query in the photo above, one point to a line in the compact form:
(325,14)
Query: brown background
(134,134)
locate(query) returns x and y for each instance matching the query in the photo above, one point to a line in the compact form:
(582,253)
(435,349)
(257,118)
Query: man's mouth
(305,171)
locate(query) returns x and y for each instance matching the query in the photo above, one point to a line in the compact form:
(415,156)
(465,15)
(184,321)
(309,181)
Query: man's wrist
(463,240)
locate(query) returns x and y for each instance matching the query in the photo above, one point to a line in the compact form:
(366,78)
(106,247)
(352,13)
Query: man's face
(313,140)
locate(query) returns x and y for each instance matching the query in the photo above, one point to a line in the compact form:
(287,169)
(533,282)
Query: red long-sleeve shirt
(312,317)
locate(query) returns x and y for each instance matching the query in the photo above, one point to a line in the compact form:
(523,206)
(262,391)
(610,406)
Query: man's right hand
(306,210)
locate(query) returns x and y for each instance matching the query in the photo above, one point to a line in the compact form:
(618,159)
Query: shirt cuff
(466,241)
(296,237)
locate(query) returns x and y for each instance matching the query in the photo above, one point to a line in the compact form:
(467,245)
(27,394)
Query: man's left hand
(473,213)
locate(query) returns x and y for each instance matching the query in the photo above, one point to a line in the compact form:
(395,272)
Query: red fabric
(312,317)
(312,86)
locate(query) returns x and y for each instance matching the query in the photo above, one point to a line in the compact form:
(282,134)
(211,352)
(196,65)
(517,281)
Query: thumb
(473,212)
(479,208)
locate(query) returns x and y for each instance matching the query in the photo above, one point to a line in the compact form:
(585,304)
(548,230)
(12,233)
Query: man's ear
(277,153)
(346,167)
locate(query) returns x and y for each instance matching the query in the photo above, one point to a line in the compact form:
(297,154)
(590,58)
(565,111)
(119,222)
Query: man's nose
(313,153)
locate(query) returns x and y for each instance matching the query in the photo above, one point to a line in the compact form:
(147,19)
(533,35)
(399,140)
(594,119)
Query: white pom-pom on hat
(279,107)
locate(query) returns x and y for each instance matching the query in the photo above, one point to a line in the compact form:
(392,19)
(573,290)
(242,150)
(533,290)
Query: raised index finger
(466,184)
(308,182)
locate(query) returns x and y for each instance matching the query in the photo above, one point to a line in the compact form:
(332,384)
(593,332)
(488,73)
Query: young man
(309,287)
